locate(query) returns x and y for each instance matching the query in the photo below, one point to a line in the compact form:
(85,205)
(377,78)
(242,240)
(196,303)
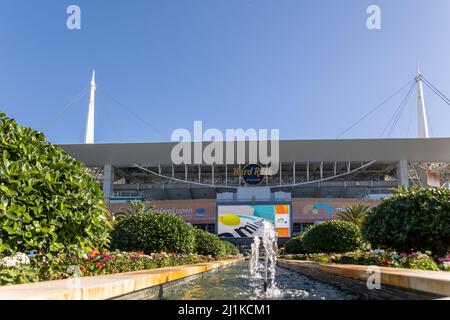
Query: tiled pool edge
(395,283)
(107,286)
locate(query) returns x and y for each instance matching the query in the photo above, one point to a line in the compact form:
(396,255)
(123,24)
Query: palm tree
(355,213)
(135,207)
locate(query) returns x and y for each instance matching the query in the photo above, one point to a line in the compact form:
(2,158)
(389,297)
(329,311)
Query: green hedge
(48,201)
(153,232)
(230,248)
(294,246)
(332,236)
(209,244)
(418,220)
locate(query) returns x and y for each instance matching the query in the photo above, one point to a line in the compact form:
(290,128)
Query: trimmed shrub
(332,236)
(230,248)
(48,201)
(207,243)
(294,246)
(418,220)
(153,232)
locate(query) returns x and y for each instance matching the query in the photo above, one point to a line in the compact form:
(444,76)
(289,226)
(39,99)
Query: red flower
(385,261)
(108,258)
(86,260)
(100,264)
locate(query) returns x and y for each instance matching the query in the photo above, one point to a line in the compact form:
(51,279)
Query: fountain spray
(254,259)
(269,244)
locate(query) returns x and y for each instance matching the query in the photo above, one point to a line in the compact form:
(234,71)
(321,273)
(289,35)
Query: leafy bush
(48,201)
(294,246)
(18,275)
(417,220)
(209,244)
(415,260)
(153,232)
(230,249)
(332,236)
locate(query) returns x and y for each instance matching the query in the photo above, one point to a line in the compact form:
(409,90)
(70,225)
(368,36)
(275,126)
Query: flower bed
(415,260)
(21,268)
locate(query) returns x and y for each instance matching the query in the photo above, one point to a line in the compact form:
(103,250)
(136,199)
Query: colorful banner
(193,211)
(245,221)
(310,210)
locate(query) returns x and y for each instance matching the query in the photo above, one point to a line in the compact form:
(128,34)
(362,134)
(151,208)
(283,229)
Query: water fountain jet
(270,248)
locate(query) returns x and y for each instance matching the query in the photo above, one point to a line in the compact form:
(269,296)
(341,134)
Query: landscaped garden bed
(415,260)
(20,268)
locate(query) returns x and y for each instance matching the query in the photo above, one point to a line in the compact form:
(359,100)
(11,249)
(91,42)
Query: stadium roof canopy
(384,150)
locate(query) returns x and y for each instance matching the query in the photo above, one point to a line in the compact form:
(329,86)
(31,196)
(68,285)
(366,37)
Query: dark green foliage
(418,219)
(294,246)
(332,236)
(48,201)
(230,248)
(209,244)
(153,232)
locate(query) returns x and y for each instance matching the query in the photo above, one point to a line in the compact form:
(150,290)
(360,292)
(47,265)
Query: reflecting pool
(235,282)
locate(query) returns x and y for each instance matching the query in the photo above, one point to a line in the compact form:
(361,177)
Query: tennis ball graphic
(230,220)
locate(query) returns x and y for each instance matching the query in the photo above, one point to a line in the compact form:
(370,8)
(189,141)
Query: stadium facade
(316,179)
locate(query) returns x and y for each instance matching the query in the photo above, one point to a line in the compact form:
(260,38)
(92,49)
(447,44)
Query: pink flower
(446,259)
(100,264)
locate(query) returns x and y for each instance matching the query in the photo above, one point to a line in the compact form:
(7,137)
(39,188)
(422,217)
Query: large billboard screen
(245,221)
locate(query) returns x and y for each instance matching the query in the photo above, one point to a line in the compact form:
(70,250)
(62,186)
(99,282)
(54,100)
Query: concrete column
(402,173)
(108,182)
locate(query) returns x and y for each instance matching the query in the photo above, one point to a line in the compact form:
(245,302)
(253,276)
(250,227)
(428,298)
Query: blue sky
(309,68)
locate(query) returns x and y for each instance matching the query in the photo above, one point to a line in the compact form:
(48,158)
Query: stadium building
(316,178)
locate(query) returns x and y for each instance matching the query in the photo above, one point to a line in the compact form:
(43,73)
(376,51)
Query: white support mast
(89,138)
(421,110)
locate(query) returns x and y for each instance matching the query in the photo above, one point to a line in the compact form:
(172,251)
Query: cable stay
(376,108)
(436,91)
(66,108)
(134,114)
(392,123)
